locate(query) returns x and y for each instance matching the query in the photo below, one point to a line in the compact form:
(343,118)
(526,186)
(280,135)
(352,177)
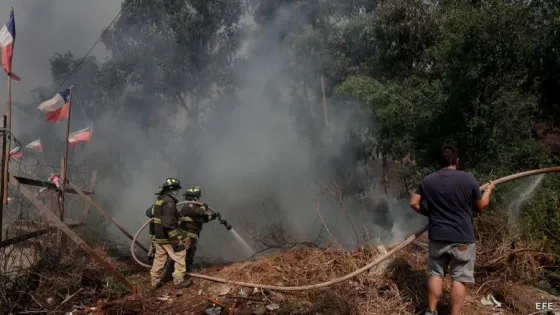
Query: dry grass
(365,294)
(503,256)
(505,267)
(73,279)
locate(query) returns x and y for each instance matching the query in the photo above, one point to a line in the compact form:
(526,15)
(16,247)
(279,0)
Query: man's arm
(482,202)
(416,200)
(169,215)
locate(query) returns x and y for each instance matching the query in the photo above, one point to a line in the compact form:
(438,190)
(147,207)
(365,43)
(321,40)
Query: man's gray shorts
(458,258)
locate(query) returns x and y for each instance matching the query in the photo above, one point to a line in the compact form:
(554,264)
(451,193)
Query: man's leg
(188,242)
(158,265)
(457,297)
(168,271)
(438,262)
(151,252)
(435,285)
(179,266)
(462,271)
(190,254)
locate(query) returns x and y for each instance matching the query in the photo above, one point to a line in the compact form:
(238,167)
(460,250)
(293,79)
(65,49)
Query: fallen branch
(71,296)
(216,302)
(243,297)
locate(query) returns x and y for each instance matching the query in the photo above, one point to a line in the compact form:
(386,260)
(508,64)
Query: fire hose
(372,264)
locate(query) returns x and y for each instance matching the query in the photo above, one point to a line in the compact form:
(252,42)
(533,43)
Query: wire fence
(32,258)
(22,219)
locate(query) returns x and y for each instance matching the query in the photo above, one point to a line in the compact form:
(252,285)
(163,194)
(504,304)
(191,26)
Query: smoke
(262,160)
(47,27)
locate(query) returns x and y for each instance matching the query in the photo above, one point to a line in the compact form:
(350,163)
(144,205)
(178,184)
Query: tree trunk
(324,101)
(385,177)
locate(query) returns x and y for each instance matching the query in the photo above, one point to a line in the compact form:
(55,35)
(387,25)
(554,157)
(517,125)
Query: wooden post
(64,167)
(105,214)
(67,142)
(3,182)
(324,98)
(8,141)
(91,187)
(56,221)
(60,199)
(35,234)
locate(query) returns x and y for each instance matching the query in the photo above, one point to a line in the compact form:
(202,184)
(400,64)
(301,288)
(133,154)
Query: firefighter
(192,218)
(167,237)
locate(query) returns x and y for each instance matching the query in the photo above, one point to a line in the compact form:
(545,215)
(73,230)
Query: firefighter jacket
(165,219)
(150,214)
(193,217)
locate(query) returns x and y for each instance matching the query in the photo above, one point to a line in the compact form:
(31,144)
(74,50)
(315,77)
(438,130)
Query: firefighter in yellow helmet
(193,216)
(167,237)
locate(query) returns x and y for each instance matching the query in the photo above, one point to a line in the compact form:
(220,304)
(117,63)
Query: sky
(45,27)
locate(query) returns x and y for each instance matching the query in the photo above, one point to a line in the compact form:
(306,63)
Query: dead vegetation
(507,268)
(61,283)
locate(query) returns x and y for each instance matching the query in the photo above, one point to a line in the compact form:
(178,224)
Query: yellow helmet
(193,193)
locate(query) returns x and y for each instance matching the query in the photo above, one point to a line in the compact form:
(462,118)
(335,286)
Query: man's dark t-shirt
(449,196)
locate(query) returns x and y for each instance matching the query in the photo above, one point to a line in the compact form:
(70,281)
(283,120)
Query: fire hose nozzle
(224,222)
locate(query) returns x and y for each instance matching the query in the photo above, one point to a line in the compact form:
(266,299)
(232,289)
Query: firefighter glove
(211,217)
(179,248)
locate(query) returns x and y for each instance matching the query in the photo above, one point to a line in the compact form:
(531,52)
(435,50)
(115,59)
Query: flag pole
(65,172)
(8,142)
(8,138)
(4,153)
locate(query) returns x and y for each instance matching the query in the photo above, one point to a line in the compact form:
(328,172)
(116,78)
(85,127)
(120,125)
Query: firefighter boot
(156,284)
(183,284)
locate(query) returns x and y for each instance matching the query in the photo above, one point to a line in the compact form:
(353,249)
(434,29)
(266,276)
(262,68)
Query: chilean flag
(52,108)
(82,135)
(15,153)
(35,146)
(7,40)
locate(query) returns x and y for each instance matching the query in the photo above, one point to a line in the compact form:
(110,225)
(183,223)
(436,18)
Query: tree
(183,51)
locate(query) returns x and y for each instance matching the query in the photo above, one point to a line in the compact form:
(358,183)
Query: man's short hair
(447,156)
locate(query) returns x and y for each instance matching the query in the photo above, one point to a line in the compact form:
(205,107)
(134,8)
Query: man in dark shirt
(448,198)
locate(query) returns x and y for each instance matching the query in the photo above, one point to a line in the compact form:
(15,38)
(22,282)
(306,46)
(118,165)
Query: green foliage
(541,219)
(469,79)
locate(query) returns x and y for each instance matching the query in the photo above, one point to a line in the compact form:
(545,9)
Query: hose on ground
(372,264)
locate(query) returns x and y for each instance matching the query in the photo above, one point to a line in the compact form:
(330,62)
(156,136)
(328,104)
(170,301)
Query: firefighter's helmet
(193,193)
(171,184)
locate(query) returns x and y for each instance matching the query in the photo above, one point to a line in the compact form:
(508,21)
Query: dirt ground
(400,288)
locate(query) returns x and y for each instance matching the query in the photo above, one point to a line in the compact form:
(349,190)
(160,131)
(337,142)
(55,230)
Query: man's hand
(483,202)
(490,186)
(415,204)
